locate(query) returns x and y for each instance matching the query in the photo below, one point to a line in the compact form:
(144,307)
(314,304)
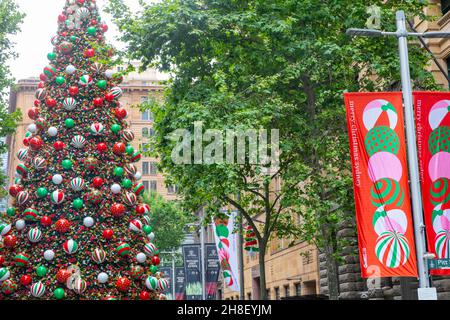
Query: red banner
(380,180)
(433,143)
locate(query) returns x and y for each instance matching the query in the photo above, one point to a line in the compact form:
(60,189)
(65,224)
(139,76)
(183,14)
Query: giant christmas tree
(77,229)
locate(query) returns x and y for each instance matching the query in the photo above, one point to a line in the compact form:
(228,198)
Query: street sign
(438,263)
(427,293)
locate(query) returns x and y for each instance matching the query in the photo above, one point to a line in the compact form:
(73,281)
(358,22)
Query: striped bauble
(98,255)
(37,289)
(150,249)
(70,246)
(34,235)
(151,283)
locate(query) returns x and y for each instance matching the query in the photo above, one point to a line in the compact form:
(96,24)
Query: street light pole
(402,34)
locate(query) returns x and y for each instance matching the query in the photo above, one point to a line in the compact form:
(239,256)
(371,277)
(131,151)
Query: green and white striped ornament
(4,274)
(34,235)
(37,289)
(151,283)
(85,80)
(78,141)
(69,103)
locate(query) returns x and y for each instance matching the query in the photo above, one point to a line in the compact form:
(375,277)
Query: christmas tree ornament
(123,284)
(98,255)
(70,246)
(25,280)
(101,84)
(11,211)
(62,275)
(115,188)
(23,197)
(62,225)
(49,71)
(70,69)
(102,277)
(46,221)
(73,90)
(144,295)
(117,210)
(52,131)
(136,272)
(67,164)
(151,236)
(78,141)
(79,286)
(5,229)
(97,128)
(8,287)
(130,169)
(90,163)
(136,157)
(32,128)
(129,198)
(88,222)
(107,234)
(115,128)
(69,104)
(60,80)
(41,271)
(77,203)
(4,274)
(143,208)
(51,56)
(119,148)
(116,92)
(138,175)
(97,182)
(141,257)
(21,260)
(146,228)
(123,249)
(128,135)
(129,150)
(49,255)
(57,179)
(98,102)
(155,260)
(109,97)
(15,189)
(33,113)
(150,249)
(59,293)
(83,12)
(39,163)
(69,123)
(34,235)
(36,143)
(94,196)
(118,171)
(104,28)
(109,74)
(30,214)
(41,94)
(151,283)
(20,224)
(58,145)
(85,80)
(135,225)
(126,183)
(89,53)
(50,102)
(77,184)
(57,197)
(138,188)
(92,31)
(162,284)
(121,113)
(66,48)
(10,241)
(101,147)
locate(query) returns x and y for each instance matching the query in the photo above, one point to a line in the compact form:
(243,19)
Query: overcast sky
(37,29)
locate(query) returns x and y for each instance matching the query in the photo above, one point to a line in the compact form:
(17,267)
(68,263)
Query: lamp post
(402,34)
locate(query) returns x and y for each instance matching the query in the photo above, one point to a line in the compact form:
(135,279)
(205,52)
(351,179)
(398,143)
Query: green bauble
(118,171)
(129,150)
(115,128)
(60,80)
(41,192)
(67,164)
(11,211)
(51,56)
(126,183)
(59,293)
(153,269)
(92,31)
(77,203)
(41,271)
(73,38)
(382,139)
(69,123)
(102,84)
(439,140)
(147,229)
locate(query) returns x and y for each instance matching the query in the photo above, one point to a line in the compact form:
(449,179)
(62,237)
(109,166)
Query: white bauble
(141,257)
(102,277)
(70,68)
(49,255)
(52,131)
(57,179)
(32,128)
(109,73)
(137,175)
(151,236)
(20,224)
(115,188)
(88,222)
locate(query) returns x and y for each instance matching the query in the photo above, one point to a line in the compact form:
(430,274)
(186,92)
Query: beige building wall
(136,88)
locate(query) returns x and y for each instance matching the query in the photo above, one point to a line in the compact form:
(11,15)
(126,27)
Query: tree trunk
(262,272)
(332,270)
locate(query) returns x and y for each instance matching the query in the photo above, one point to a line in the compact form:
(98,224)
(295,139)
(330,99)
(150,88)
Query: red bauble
(81,2)
(144,295)
(123,284)
(108,234)
(73,91)
(62,225)
(104,27)
(36,143)
(62,17)
(33,113)
(58,145)
(120,113)
(41,84)
(155,260)
(2,259)
(37,103)
(46,221)
(50,102)
(9,241)
(62,275)
(15,189)
(119,148)
(98,182)
(101,147)
(117,210)
(89,53)
(42,77)
(98,102)
(25,280)
(93,22)
(109,96)
(26,141)
(99,37)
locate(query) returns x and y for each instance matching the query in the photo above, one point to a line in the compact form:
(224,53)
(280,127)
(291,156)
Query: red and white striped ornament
(79,286)
(130,198)
(34,235)
(135,225)
(97,128)
(70,246)
(39,163)
(130,169)
(77,184)
(98,255)
(23,197)
(57,196)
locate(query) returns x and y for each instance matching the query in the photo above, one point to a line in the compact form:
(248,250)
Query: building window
(146,115)
(145,183)
(153,185)
(249,296)
(153,168)
(286,291)
(144,132)
(277,293)
(445,6)
(298,289)
(171,189)
(145,167)
(268,293)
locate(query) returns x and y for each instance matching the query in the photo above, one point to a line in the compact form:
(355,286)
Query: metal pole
(412,150)
(202,245)
(173,275)
(241,254)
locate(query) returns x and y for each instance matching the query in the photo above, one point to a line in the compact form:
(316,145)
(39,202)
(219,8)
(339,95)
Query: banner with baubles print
(380,179)
(432,111)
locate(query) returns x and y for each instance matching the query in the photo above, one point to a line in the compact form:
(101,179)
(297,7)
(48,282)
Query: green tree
(269,64)
(168,221)
(10,19)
